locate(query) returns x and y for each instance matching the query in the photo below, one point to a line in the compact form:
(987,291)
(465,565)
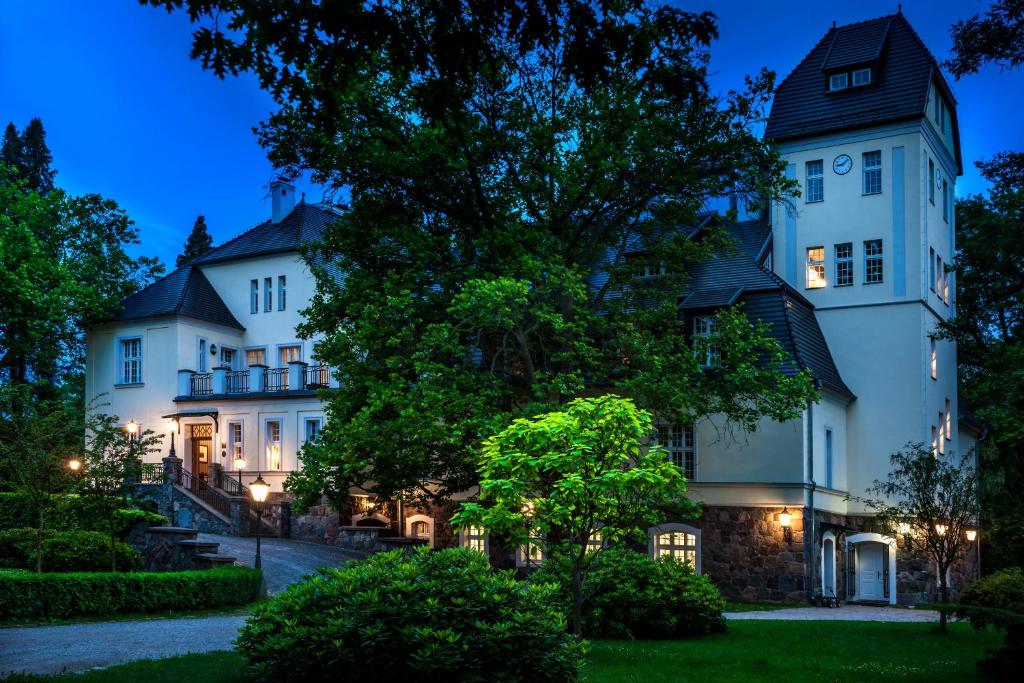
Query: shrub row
(27,595)
(67,512)
(65,551)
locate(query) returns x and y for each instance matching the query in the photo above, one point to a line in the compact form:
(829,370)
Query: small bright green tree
(110,457)
(574,480)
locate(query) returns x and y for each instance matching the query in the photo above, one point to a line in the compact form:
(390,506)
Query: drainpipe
(809,531)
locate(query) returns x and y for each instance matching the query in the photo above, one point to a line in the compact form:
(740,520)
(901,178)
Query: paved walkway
(844,613)
(53,649)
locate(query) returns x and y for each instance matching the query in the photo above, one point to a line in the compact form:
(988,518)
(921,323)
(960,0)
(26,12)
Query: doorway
(871,572)
(202,451)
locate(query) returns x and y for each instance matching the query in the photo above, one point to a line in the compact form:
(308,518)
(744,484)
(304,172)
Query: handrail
(201,384)
(275,379)
(316,376)
(202,490)
(237,382)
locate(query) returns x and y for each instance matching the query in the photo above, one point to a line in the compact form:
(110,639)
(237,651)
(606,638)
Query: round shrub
(630,595)
(429,616)
(17,547)
(998,600)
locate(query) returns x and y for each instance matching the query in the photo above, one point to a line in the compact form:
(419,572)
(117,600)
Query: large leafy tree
(198,243)
(571,480)
(995,38)
(511,166)
(989,331)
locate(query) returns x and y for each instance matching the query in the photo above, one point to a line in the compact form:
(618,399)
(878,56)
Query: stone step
(200,546)
(216,560)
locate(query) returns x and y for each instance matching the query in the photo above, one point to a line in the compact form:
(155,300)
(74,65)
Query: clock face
(842,164)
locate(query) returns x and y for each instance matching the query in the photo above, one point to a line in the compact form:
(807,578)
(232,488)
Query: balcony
(298,379)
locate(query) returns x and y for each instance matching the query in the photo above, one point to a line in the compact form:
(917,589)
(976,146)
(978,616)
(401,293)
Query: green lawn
(752,651)
(739,606)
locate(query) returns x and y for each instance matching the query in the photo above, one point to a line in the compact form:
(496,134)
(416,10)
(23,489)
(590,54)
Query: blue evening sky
(130,116)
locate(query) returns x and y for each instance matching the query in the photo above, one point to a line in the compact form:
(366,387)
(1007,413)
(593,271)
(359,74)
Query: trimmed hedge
(998,600)
(432,616)
(65,551)
(69,512)
(631,595)
(27,595)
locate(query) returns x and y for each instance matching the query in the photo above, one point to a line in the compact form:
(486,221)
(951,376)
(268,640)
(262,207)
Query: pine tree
(36,158)
(198,243)
(10,152)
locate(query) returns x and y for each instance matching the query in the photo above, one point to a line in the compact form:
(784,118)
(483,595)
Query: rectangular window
(949,421)
(228,357)
(280,292)
(289,354)
(945,200)
(255,357)
(945,287)
(873,261)
(268,294)
(844,264)
(940,274)
(934,360)
(828,458)
(935,442)
(474,538)
(236,446)
(131,361)
(942,434)
(677,544)
(872,172)
(254,296)
(862,76)
(678,442)
(931,181)
(705,331)
(273,440)
(931,267)
(201,364)
(838,81)
(531,554)
(815,267)
(313,425)
(815,184)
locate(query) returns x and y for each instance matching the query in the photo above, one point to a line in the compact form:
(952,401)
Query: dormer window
(861,77)
(838,82)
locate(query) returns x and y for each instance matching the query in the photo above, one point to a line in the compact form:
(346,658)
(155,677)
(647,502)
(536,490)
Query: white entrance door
(870,572)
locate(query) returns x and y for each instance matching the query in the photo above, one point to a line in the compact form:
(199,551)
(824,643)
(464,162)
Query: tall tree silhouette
(10,152)
(198,243)
(36,158)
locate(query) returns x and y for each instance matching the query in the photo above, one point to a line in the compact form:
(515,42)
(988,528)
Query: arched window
(421,527)
(680,541)
(420,530)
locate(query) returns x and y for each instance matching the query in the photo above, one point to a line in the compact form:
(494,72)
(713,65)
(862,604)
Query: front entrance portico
(871,568)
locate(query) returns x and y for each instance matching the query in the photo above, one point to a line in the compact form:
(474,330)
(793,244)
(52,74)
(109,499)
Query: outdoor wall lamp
(786,521)
(213,349)
(905,530)
(74,464)
(971,535)
(940,529)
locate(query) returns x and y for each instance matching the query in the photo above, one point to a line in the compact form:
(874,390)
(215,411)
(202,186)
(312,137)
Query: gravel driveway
(52,649)
(844,613)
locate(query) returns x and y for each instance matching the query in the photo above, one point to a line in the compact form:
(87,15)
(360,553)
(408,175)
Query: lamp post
(786,522)
(172,425)
(74,464)
(259,489)
(239,466)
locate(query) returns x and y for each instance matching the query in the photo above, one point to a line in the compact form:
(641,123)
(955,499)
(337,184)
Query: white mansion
(851,278)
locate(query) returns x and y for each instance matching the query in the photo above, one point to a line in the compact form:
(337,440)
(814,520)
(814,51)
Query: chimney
(282,199)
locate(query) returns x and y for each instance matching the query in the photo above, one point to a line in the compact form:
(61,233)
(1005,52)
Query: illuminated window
(531,554)
(838,81)
(815,184)
(949,422)
(815,267)
(945,288)
(872,172)
(474,538)
(873,261)
(940,274)
(679,444)
(934,361)
(680,545)
(861,77)
(705,332)
(595,542)
(844,264)
(236,446)
(420,530)
(935,442)
(273,443)
(131,361)
(255,357)
(941,438)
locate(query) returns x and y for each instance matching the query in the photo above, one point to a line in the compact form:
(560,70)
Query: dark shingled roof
(186,292)
(902,69)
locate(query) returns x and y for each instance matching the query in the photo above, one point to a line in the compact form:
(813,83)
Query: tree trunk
(944,598)
(113,553)
(577,603)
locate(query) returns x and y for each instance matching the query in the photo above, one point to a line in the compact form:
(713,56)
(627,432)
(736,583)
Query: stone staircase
(171,548)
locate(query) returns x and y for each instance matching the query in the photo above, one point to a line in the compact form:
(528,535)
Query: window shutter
(885,570)
(851,570)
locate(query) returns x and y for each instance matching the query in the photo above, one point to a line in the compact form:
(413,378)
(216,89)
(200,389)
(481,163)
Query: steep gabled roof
(186,291)
(902,70)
